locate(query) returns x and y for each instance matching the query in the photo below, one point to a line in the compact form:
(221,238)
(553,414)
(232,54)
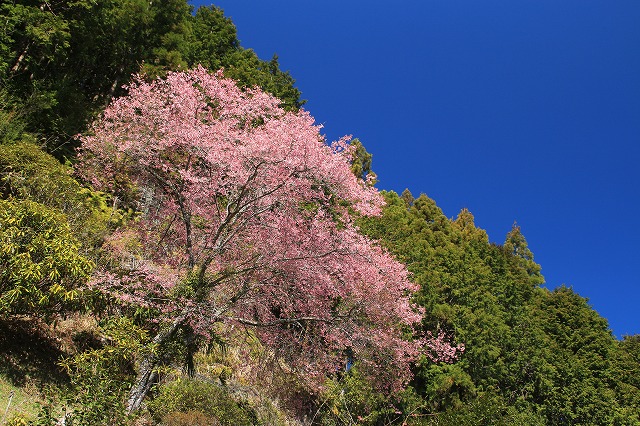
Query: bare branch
(282,321)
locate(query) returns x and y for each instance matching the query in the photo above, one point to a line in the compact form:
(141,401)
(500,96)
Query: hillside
(184,247)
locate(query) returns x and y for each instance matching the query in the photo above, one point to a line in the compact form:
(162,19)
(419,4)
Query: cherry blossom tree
(246,221)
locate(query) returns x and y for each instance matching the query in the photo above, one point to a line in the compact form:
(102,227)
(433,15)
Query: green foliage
(445,386)
(214,45)
(214,38)
(10,128)
(488,409)
(28,173)
(17,419)
(580,351)
(12,125)
(516,245)
(35,44)
(169,35)
(101,378)
(40,263)
(75,219)
(351,399)
(541,352)
(627,375)
(62,62)
(361,164)
(190,418)
(197,399)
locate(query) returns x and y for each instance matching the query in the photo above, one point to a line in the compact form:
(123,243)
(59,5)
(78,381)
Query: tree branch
(282,321)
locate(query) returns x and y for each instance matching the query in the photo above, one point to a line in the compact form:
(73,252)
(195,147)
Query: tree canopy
(62,62)
(246,222)
(528,349)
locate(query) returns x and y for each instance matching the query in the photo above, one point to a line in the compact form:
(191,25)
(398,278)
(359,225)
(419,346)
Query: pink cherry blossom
(247,204)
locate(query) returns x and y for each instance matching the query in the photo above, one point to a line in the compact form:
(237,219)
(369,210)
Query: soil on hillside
(29,354)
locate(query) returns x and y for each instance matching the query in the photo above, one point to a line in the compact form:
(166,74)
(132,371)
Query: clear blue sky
(518,110)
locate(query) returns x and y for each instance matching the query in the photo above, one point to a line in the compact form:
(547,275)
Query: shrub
(191,418)
(17,419)
(40,263)
(101,378)
(28,173)
(194,399)
(351,399)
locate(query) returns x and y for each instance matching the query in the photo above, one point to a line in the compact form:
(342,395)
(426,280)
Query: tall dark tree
(528,350)
(61,62)
(627,371)
(516,244)
(214,44)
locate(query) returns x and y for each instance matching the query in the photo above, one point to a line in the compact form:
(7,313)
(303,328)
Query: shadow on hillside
(29,355)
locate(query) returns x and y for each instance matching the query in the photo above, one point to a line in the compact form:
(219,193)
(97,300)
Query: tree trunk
(18,62)
(147,375)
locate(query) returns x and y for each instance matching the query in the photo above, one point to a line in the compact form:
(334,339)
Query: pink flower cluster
(247,206)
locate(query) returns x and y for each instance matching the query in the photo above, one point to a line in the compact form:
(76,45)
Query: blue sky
(524,111)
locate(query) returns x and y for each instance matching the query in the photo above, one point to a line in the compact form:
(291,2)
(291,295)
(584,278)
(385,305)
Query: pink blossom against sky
(525,111)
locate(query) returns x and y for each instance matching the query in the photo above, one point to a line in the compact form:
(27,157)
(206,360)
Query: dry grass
(251,373)
(76,333)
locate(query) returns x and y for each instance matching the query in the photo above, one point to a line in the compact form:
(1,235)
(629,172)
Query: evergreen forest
(179,245)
